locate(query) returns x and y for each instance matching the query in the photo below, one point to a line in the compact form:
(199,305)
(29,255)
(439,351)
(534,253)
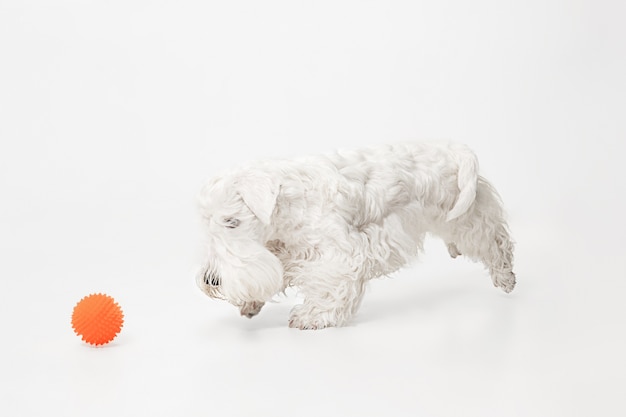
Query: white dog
(329,224)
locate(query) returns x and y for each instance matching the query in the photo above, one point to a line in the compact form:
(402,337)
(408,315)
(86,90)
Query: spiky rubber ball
(97,318)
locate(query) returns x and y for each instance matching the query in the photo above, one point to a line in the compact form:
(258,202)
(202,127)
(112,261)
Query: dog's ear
(259,192)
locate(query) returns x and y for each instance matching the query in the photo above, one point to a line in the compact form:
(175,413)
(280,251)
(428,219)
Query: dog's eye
(231,223)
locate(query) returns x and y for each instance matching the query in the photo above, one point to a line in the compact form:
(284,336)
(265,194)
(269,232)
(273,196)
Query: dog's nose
(211,279)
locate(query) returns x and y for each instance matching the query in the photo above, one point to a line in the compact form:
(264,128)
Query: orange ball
(97,318)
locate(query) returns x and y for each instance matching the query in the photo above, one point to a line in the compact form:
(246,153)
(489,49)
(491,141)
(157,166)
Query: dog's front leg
(329,300)
(251,308)
(312,315)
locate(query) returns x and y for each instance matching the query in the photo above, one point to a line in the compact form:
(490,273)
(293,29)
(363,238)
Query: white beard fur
(329,224)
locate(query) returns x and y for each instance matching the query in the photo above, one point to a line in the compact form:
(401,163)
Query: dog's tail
(467,180)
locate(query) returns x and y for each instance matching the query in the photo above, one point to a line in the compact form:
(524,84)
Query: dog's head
(237,211)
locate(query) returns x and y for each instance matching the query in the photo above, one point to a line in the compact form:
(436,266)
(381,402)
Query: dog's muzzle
(211,279)
(255,276)
(210,283)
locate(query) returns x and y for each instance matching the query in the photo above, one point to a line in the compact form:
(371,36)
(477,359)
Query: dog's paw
(251,309)
(453,250)
(303,318)
(504,281)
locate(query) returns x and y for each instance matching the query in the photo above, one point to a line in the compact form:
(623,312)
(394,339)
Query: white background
(112,114)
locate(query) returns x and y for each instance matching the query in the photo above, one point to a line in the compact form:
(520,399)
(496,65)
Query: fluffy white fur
(329,224)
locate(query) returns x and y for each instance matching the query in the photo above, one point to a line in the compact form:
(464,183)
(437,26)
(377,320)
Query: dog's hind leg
(482,234)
